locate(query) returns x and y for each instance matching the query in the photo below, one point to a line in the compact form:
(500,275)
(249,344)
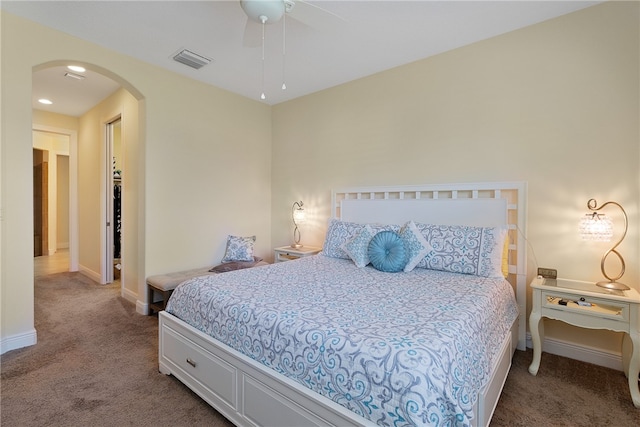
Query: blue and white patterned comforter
(397,348)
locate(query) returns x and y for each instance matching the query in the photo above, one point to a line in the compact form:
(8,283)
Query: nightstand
(287,253)
(588,306)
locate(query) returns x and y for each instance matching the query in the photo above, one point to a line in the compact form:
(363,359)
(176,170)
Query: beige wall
(55,120)
(203,167)
(554,104)
(208,175)
(62,220)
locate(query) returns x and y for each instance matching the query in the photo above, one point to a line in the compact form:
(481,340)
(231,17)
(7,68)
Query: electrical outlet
(548,273)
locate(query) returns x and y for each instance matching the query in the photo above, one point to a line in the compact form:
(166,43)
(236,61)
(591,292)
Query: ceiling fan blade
(252,34)
(315,16)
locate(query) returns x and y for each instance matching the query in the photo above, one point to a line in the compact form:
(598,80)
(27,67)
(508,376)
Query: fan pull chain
(284,48)
(264,20)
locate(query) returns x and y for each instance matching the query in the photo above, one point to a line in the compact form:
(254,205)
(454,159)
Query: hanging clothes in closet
(117,219)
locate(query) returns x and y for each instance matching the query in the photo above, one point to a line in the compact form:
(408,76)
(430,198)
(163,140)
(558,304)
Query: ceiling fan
(273,11)
(265,12)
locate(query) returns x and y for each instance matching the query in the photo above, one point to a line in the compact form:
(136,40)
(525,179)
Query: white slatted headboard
(488,204)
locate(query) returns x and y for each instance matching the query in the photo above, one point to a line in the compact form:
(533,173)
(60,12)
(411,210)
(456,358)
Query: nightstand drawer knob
(191,362)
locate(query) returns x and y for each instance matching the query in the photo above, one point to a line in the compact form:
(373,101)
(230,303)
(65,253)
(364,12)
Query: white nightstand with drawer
(588,306)
(287,253)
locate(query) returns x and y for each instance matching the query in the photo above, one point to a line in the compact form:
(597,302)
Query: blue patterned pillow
(386,252)
(416,247)
(464,249)
(239,249)
(358,247)
(340,232)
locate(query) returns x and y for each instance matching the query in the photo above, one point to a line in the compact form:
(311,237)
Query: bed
(323,341)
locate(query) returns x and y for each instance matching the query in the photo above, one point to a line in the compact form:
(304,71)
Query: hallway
(52,264)
(56,263)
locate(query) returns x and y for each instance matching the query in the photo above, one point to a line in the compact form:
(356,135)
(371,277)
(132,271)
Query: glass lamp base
(298,246)
(617,286)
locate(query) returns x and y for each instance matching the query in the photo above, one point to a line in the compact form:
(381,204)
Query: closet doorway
(114,173)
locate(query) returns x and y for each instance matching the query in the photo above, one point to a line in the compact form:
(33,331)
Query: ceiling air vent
(191,59)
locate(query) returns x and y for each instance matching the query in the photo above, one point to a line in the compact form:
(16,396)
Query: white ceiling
(322,52)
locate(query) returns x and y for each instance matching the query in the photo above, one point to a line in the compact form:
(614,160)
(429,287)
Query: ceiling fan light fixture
(273,10)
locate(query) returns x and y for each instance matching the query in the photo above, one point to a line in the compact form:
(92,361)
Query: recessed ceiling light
(45,101)
(76,68)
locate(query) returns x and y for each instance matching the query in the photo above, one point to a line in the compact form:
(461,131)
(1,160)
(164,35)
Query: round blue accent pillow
(387,252)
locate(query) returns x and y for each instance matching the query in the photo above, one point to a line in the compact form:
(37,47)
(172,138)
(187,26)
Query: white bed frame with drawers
(250,394)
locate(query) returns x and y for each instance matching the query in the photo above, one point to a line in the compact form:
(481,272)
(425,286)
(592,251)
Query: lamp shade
(596,227)
(298,215)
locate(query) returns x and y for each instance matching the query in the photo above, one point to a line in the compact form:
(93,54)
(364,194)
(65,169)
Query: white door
(113,205)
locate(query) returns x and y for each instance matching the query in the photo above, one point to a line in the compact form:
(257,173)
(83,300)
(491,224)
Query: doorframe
(73,189)
(107,219)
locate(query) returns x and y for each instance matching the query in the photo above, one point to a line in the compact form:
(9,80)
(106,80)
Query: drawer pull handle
(191,362)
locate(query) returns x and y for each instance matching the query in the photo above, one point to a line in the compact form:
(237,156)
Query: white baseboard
(96,277)
(18,341)
(596,356)
(142,307)
(129,295)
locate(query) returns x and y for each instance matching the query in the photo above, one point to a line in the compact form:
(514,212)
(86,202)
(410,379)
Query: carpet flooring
(96,363)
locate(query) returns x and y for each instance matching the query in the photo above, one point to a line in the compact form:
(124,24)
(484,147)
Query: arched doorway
(91,175)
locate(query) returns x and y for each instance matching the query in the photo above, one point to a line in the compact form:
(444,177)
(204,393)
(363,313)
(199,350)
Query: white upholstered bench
(160,287)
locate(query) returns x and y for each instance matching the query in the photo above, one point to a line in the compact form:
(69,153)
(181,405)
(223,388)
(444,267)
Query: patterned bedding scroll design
(397,348)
